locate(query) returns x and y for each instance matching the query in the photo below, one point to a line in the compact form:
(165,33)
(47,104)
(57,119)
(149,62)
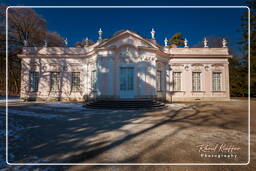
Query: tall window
(75,81)
(55,81)
(158,81)
(196,82)
(34,79)
(177,81)
(216,85)
(93,80)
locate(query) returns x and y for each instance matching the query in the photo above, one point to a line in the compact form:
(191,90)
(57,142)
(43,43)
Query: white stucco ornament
(185,43)
(66,41)
(100,33)
(186,67)
(45,43)
(153,33)
(65,68)
(206,68)
(224,43)
(205,42)
(127,53)
(25,42)
(44,67)
(165,42)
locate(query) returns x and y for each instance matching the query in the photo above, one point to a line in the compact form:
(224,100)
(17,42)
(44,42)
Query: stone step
(125,104)
(127,108)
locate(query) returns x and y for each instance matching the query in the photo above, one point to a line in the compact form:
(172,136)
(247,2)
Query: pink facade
(125,66)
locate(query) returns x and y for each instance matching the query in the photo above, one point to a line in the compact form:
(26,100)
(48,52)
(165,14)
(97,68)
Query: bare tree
(23,24)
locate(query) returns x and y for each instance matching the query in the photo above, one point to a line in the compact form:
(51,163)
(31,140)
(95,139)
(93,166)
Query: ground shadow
(66,139)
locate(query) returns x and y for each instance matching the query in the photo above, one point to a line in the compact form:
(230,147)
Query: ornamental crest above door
(127,53)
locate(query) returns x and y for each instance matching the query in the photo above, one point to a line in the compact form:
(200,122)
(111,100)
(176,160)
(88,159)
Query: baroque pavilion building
(125,66)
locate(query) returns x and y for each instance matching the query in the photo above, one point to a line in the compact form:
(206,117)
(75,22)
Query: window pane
(130,79)
(122,79)
(196,82)
(158,79)
(55,81)
(177,81)
(216,76)
(75,81)
(126,78)
(93,80)
(34,80)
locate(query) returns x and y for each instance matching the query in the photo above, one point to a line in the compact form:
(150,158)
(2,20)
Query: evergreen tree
(244,44)
(177,39)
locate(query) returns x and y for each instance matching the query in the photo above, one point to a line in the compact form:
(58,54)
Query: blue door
(126,82)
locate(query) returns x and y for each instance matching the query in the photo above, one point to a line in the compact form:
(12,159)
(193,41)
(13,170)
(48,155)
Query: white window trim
(160,86)
(51,81)
(200,79)
(33,84)
(180,80)
(79,86)
(94,88)
(221,81)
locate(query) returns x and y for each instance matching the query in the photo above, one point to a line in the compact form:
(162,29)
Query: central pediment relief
(127,52)
(127,38)
(128,41)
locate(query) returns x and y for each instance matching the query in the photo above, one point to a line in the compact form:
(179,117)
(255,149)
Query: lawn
(66,132)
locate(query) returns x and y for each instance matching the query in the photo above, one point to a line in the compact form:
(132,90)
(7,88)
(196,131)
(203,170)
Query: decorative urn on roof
(100,34)
(153,33)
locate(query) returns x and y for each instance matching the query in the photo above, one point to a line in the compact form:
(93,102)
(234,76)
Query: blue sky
(194,23)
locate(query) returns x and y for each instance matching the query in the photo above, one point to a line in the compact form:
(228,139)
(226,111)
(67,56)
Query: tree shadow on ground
(192,118)
(75,139)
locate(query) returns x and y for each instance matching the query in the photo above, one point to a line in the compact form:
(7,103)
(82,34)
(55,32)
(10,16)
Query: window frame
(94,80)
(128,74)
(215,89)
(197,87)
(159,82)
(35,80)
(57,81)
(174,80)
(75,81)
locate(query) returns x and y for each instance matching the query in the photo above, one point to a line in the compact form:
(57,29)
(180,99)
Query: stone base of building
(168,99)
(53,99)
(197,99)
(118,97)
(81,98)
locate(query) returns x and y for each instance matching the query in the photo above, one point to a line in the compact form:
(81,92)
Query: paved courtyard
(68,132)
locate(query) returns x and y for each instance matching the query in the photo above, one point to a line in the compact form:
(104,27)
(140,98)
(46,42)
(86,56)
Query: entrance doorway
(126,82)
